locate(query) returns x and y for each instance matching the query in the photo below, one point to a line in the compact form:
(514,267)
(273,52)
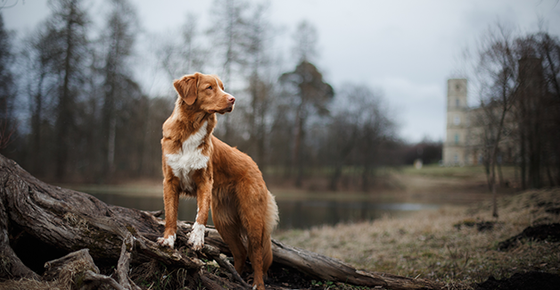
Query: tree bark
(73,221)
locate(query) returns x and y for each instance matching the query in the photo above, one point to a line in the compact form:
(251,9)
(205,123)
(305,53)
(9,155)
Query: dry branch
(72,221)
(78,269)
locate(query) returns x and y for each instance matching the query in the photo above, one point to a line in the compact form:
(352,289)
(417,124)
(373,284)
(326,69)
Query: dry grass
(428,245)
(28,284)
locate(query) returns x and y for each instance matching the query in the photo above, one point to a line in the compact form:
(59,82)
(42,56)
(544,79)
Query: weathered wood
(71,264)
(12,267)
(78,271)
(123,266)
(90,276)
(72,221)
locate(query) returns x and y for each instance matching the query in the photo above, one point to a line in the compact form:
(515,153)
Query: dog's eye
(209,88)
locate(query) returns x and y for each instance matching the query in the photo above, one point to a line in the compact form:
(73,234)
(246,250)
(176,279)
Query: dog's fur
(196,163)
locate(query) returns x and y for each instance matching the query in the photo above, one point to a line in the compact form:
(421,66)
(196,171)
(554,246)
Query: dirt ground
(523,281)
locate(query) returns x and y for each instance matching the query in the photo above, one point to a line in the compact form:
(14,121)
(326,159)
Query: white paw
(196,239)
(167,242)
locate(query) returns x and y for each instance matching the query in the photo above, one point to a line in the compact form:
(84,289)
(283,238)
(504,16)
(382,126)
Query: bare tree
(183,55)
(159,109)
(228,34)
(261,87)
(7,88)
(67,43)
(37,83)
(375,129)
(497,68)
(118,39)
(343,130)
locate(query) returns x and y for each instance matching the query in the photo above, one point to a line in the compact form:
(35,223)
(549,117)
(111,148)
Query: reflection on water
(293,214)
(308,213)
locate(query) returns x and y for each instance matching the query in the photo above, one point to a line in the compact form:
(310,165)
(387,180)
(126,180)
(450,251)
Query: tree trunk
(67,222)
(335,177)
(298,142)
(500,173)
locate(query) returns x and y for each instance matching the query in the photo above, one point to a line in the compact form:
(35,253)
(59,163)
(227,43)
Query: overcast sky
(405,49)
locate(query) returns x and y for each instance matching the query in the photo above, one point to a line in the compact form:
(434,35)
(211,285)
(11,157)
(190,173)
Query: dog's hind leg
(258,219)
(255,249)
(231,235)
(227,222)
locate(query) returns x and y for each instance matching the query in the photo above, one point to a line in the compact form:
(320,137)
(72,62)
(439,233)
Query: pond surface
(294,214)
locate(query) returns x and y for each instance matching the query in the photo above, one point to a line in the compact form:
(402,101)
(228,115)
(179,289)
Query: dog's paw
(167,242)
(196,239)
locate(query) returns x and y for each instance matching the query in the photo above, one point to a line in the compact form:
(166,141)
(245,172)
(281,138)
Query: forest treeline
(73,107)
(74,110)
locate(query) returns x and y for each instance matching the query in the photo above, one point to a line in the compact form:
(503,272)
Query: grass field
(445,244)
(478,172)
(435,170)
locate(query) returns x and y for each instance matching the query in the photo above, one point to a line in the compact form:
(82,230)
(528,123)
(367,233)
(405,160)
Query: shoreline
(415,187)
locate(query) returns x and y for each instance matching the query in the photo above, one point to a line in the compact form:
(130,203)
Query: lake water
(294,214)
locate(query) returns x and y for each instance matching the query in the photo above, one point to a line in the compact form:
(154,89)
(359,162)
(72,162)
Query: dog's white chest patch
(189,158)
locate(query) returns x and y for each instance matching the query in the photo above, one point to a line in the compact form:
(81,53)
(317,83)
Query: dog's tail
(271,220)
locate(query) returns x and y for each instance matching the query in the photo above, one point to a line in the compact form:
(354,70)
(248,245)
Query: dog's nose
(231,99)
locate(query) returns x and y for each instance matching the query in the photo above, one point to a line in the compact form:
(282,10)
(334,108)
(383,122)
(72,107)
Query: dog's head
(205,93)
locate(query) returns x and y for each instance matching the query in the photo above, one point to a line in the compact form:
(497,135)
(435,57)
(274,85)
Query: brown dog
(196,163)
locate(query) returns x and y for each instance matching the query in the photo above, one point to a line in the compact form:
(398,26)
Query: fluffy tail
(271,220)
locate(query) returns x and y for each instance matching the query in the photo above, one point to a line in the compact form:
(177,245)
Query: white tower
(454,147)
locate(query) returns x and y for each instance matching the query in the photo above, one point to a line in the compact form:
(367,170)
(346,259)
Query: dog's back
(240,200)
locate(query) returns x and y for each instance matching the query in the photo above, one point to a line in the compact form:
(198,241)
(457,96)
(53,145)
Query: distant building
(468,130)
(455,146)
(466,141)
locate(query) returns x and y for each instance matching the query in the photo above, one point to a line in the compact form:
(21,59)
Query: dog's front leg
(171,203)
(203,200)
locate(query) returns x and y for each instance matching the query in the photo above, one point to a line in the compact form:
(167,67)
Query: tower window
(457,120)
(456,138)
(457,102)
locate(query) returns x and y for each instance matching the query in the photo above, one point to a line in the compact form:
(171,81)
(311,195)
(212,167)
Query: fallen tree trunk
(61,221)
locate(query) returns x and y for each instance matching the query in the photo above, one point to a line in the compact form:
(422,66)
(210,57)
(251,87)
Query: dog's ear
(186,87)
